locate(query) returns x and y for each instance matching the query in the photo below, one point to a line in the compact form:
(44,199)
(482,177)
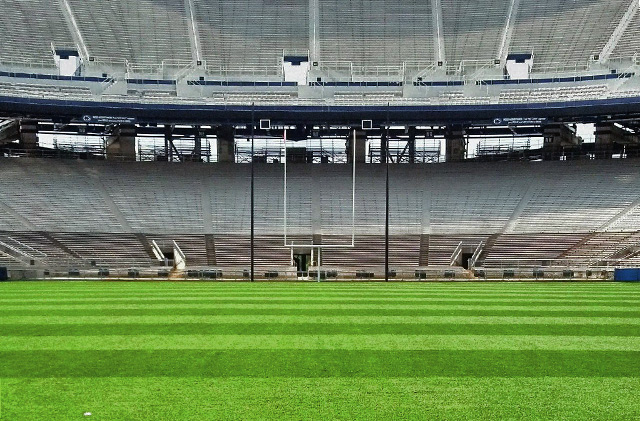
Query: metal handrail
(476,254)
(456,254)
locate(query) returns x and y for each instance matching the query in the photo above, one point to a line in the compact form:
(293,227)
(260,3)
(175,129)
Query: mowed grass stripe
(282,311)
(321,342)
(311,288)
(308,291)
(132,329)
(74,284)
(325,286)
(197,398)
(249,300)
(298,295)
(318,363)
(323,319)
(266,305)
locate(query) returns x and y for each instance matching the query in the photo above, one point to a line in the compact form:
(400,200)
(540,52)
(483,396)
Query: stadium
(317,151)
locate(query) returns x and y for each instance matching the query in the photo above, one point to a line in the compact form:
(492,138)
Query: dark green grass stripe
(316,312)
(317,295)
(533,302)
(310,296)
(312,363)
(316,329)
(314,287)
(287,285)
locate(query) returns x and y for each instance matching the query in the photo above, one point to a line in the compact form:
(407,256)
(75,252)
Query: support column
(226,144)
(122,143)
(168,142)
(384,147)
(361,147)
(559,139)
(456,146)
(196,154)
(412,144)
(28,134)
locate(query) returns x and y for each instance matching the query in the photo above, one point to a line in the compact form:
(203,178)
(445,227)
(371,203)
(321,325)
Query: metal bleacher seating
(233,251)
(629,43)
(73,212)
(251,32)
(167,208)
(144,31)
(376,32)
(404,252)
(604,248)
(37,245)
(553,94)
(104,249)
(522,250)
(473,29)
(29,28)
(575,201)
(50,90)
(368,38)
(563,31)
(58,197)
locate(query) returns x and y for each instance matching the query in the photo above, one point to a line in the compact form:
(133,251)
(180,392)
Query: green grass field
(310,351)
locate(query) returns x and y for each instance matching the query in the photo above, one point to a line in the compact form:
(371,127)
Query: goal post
(319,247)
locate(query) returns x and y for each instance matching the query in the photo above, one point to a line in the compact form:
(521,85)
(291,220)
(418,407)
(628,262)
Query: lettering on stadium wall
(520,121)
(104,119)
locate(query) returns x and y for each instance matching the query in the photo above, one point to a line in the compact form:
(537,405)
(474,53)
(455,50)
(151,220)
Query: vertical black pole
(252,191)
(386,223)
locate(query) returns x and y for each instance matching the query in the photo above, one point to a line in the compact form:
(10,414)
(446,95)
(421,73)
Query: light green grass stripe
(321,342)
(317,295)
(297,319)
(399,290)
(353,286)
(332,299)
(438,398)
(326,288)
(327,306)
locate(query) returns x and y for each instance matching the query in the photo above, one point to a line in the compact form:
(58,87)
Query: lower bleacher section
(89,216)
(89,253)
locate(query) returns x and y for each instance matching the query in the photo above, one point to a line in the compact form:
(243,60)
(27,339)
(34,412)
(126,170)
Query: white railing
(13,251)
(456,254)
(476,254)
(242,71)
(28,247)
(378,71)
(95,61)
(407,71)
(14,64)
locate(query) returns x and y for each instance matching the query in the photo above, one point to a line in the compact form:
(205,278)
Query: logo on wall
(105,119)
(520,121)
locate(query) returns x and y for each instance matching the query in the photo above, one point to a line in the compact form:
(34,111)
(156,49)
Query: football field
(89,350)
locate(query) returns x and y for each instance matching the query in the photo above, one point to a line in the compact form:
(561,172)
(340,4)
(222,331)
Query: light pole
(252,192)
(386,222)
